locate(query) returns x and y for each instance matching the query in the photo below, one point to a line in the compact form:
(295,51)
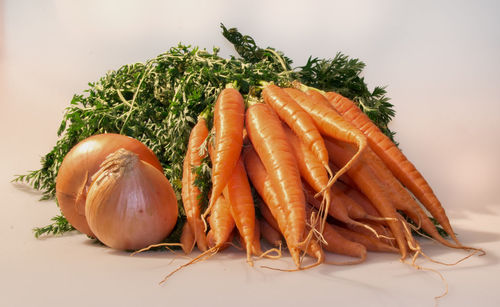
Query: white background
(439,59)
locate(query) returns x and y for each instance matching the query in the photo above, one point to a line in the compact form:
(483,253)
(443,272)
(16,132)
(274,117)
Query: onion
(81,163)
(130,204)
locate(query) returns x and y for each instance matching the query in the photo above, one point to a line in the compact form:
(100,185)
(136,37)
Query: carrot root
(153,246)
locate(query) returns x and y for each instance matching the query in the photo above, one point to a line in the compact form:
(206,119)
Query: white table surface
(440,62)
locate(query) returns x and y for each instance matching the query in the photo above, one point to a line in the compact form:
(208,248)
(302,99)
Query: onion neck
(116,163)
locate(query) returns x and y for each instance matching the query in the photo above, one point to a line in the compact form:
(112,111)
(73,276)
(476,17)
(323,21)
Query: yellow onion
(81,163)
(130,203)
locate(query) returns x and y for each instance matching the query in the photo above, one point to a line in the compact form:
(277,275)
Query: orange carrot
(187,239)
(338,244)
(361,200)
(191,193)
(397,162)
(221,223)
(270,142)
(313,172)
(297,119)
(270,234)
(335,244)
(261,182)
(371,243)
(239,195)
(331,124)
(268,216)
(373,188)
(354,210)
(400,197)
(229,117)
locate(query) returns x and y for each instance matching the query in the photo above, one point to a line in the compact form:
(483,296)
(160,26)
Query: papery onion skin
(130,204)
(81,163)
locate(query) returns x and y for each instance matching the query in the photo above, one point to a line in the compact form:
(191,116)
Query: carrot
(190,193)
(372,187)
(354,210)
(395,160)
(401,198)
(298,120)
(316,177)
(270,142)
(335,244)
(331,124)
(270,234)
(256,236)
(371,243)
(313,172)
(261,182)
(187,239)
(338,244)
(221,223)
(361,200)
(268,216)
(239,195)
(229,117)
(373,218)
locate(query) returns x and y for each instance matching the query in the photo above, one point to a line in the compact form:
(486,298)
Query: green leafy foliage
(158,102)
(59,226)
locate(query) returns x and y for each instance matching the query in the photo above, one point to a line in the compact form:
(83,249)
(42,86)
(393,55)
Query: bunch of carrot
(325,178)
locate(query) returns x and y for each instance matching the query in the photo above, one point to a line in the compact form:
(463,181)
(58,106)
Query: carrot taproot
(229,118)
(371,243)
(267,215)
(187,239)
(270,234)
(354,210)
(331,124)
(256,236)
(239,196)
(262,184)
(190,193)
(266,134)
(395,160)
(315,250)
(338,244)
(221,223)
(361,200)
(374,190)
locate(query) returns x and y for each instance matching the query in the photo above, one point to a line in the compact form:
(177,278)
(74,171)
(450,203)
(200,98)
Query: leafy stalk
(59,226)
